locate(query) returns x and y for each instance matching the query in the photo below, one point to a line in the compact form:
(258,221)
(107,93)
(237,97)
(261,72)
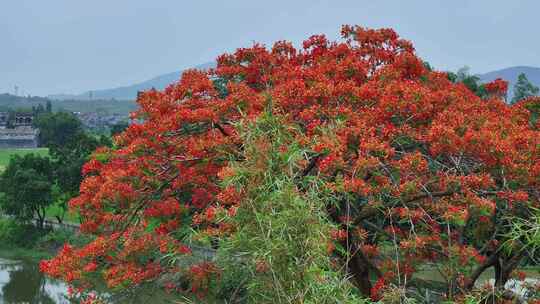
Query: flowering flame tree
(398,167)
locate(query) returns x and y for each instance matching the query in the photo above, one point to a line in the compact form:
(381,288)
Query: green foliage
(30,184)
(220,84)
(70,158)
(534,109)
(527,231)
(470,81)
(119,128)
(59,209)
(18,234)
(7,154)
(428,66)
(19,240)
(282,232)
(524,88)
(57,237)
(40,109)
(26,187)
(57,129)
(69,145)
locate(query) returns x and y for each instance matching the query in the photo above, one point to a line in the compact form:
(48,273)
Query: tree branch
(491,261)
(311,165)
(221,129)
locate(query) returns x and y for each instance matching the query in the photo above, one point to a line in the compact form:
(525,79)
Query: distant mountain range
(129,92)
(511,74)
(160,82)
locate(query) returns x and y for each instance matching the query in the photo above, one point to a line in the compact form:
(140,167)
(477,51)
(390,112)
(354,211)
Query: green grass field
(5,154)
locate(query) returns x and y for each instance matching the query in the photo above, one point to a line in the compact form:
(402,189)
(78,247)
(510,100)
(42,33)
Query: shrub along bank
(24,240)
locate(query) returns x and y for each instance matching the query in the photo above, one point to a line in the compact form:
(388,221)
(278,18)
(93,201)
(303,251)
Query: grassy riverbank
(21,253)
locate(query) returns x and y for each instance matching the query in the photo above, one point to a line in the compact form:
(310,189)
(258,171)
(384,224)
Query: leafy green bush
(15,234)
(58,237)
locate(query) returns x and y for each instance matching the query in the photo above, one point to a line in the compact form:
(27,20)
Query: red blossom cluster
(497,88)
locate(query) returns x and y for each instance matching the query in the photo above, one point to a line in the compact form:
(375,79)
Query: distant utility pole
(16,89)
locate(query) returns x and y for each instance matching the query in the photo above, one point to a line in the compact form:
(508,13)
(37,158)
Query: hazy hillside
(12,102)
(130,92)
(511,74)
(116,100)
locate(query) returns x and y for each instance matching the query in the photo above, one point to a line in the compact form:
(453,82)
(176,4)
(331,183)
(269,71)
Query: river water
(22,282)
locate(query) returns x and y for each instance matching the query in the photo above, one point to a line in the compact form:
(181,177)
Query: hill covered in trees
(13,102)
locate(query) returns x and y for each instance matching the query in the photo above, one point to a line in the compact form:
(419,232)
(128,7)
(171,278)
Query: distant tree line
(13,99)
(522,89)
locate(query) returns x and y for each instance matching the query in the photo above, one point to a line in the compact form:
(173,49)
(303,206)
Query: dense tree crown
(70,147)
(396,166)
(25,186)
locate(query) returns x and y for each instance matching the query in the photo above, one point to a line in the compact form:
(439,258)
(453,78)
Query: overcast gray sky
(70,46)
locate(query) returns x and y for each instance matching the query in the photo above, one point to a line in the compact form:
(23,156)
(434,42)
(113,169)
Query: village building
(22,135)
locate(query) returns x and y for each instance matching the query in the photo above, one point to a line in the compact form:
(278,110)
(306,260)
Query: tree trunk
(493,260)
(498,274)
(358,265)
(40,218)
(507,265)
(359,268)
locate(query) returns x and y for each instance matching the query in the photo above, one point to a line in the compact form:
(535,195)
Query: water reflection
(21,282)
